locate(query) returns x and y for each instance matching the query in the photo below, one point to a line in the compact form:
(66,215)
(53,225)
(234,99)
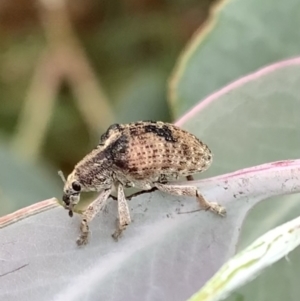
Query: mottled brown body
(144,154)
(160,149)
(144,151)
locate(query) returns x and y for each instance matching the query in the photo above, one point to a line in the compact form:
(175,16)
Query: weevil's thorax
(95,171)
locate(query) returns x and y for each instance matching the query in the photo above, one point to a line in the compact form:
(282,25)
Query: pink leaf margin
(240,82)
(287,172)
(28,211)
(260,182)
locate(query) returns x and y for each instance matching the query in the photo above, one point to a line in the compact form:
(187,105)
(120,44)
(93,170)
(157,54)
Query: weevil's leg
(123,210)
(192,191)
(89,214)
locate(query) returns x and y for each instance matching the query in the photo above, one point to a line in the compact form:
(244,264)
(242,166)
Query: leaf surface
(162,256)
(165,255)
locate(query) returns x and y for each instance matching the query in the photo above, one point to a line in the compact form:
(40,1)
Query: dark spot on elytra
(134,131)
(116,152)
(123,164)
(186,150)
(133,169)
(163,131)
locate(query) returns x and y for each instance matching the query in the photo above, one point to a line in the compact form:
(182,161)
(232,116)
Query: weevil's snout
(70,201)
(71,197)
(66,200)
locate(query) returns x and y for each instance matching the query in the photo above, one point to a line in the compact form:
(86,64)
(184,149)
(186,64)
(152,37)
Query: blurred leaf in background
(242,36)
(23,183)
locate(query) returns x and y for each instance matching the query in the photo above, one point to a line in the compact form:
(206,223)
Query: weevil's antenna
(60,173)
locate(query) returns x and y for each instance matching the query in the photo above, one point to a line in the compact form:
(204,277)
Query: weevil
(145,155)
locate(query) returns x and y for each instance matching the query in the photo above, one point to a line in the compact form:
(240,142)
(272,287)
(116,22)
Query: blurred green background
(69,69)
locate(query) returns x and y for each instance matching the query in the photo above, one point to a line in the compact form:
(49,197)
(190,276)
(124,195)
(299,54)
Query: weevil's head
(71,195)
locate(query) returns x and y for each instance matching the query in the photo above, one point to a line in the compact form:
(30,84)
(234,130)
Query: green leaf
(143,97)
(242,36)
(247,264)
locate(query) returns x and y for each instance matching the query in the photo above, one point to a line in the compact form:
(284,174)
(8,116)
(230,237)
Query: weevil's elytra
(163,131)
(145,154)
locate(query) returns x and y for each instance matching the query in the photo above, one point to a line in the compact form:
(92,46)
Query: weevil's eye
(76,186)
